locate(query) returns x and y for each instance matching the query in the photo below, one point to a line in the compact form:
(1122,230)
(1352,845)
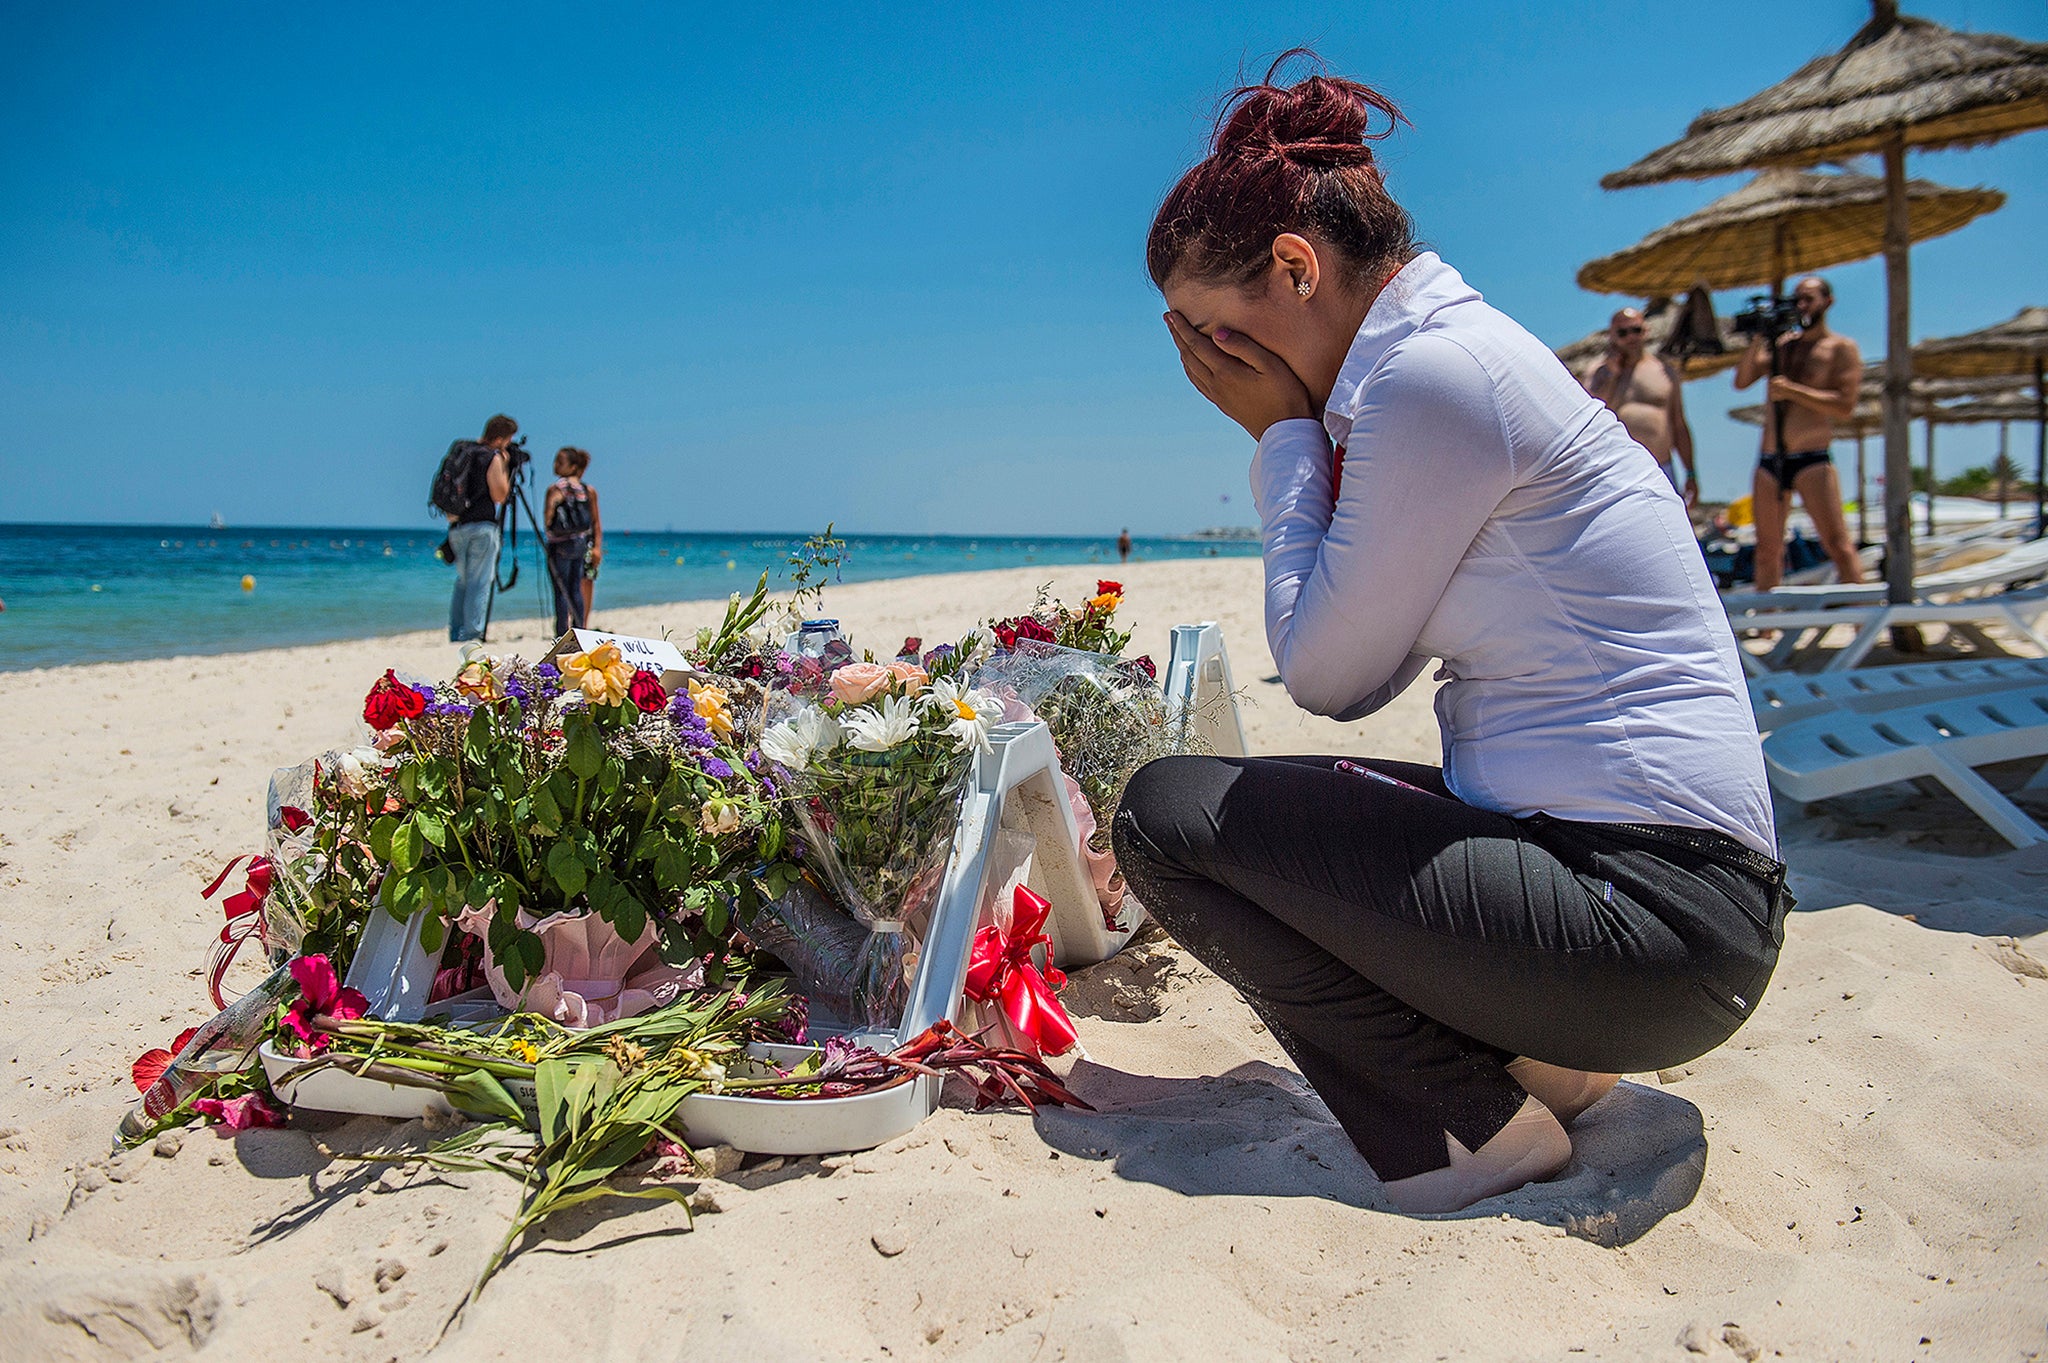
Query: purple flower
(717,768)
(548,672)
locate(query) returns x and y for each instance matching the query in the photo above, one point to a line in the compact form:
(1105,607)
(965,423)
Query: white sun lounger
(2017,611)
(2017,566)
(1782,698)
(1842,752)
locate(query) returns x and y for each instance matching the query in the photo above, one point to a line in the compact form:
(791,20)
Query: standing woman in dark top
(1459,959)
(569,514)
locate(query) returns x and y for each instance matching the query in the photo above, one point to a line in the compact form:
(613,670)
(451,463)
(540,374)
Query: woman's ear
(1295,266)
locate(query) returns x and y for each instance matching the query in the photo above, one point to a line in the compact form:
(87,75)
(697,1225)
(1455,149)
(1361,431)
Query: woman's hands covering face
(1248,383)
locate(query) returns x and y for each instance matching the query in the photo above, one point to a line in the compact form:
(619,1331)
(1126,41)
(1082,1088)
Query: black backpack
(454,490)
(571,517)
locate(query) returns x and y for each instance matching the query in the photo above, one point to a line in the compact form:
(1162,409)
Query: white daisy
(977,648)
(794,742)
(967,714)
(880,727)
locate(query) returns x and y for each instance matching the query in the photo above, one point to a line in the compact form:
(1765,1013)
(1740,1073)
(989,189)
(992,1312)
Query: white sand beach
(1860,1173)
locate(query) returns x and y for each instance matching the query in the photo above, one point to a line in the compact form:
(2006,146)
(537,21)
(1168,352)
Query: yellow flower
(526,1051)
(602,674)
(1105,604)
(479,683)
(712,706)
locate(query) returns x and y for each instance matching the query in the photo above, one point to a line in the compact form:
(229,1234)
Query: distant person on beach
(1123,546)
(570,514)
(1460,960)
(483,484)
(1819,380)
(593,557)
(1647,392)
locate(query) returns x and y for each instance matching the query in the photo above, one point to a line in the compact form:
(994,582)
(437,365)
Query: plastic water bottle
(811,639)
(222,1045)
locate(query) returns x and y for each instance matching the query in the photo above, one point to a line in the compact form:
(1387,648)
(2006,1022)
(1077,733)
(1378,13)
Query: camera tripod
(508,547)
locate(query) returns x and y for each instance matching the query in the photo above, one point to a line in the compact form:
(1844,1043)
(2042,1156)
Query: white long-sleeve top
(1494,516)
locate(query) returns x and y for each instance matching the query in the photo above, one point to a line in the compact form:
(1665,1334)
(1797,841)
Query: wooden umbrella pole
(2040,451)
(1898,380)
(1862,495)
(1930,477)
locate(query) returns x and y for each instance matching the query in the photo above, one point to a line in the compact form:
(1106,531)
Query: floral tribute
(1105,712)
(878,763)
(519,794)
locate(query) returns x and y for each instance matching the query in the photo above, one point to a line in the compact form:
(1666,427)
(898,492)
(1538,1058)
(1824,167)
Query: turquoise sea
(95,593)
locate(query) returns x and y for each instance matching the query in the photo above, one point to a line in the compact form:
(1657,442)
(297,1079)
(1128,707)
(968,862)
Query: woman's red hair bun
(1285,158)
(1320,121)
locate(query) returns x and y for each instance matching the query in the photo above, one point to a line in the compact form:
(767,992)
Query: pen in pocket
(1356,770)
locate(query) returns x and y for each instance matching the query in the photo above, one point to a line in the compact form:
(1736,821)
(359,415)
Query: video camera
(517,457)
(1767,316)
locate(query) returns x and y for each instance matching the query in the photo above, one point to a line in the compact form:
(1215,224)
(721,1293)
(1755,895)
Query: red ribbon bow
(245,917)
(1001,970)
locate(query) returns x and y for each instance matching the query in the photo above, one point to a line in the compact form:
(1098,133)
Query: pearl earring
(1304,288)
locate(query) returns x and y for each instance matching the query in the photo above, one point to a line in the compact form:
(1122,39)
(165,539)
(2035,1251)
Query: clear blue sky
(778,266)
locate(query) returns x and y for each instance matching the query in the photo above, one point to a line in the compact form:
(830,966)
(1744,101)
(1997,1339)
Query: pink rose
(857,682)
(913,677)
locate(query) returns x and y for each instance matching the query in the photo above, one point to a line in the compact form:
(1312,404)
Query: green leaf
(550,1078)
(628,914)
(576,1102)
(532,954)
(430,827)
(585,755)
(567,869)
(405,847)
(433,931)
(717,917)
(672,867)
(402,894)
(547,815)
(476,739)
(380,837)
(479,1091)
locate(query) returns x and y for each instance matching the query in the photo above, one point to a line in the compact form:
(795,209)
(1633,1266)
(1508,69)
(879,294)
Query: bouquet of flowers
(878,767)
(1105,712)
(594,831)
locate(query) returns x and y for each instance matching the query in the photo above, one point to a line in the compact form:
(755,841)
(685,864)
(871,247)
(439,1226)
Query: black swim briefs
(1786,468)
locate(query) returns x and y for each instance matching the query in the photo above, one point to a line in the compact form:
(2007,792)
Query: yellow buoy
(248,583)
(730,565)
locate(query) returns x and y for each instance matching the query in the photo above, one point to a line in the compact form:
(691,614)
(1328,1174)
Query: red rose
(1102,586)
(1028,627)
(293,818)
(645,692)
(1143,663)
(1006,635)
(910,648)
(391,700)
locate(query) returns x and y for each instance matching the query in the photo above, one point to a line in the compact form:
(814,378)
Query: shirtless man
(1820,375)
(1645,392)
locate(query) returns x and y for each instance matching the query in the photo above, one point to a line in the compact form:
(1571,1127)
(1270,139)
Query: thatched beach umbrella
(1660,317)
(1900,82)
(1780,220)
(2014,349)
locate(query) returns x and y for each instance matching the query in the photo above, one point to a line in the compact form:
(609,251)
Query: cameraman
(473,531)
(1647,393)
(1818,379)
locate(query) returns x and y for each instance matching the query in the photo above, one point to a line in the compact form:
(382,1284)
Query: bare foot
(1565,1092)
(1531,1147)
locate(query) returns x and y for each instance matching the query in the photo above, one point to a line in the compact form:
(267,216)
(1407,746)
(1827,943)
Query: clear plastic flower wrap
(1107,717)
(877,771)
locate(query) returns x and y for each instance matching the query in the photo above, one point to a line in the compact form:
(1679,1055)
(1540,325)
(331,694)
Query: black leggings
(565,557)
(1403,946)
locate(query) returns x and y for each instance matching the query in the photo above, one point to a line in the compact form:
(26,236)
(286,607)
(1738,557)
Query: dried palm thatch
(2015,347)
(1944,389)
(1898,75)
(1660,317)
(1780,220)
(1900,82)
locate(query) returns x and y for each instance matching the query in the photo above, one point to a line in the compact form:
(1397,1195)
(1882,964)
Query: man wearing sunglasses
(1644,390)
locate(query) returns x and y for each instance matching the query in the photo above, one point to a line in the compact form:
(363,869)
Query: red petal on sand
(149,1067)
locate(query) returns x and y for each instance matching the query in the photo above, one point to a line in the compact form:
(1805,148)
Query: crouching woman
(1461,959)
